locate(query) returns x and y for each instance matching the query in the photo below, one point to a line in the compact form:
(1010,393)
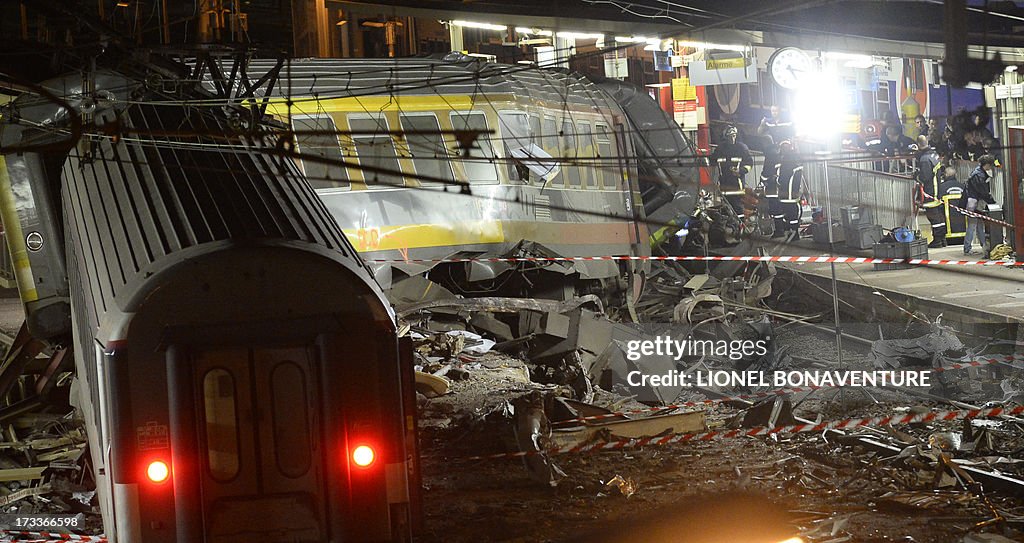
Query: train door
(257,412)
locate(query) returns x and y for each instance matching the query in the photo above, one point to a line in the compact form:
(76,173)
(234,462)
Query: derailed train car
(213,306)
(564,162)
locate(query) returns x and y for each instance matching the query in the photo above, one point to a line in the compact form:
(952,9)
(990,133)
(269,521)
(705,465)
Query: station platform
(965,295)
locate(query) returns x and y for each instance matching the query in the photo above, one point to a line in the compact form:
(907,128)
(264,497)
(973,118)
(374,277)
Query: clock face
(790,67)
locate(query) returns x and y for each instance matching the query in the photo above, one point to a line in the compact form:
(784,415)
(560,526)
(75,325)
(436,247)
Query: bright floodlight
(820,106)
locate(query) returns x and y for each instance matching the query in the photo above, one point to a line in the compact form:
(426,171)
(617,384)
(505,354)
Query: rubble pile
(42,470)
(523,377)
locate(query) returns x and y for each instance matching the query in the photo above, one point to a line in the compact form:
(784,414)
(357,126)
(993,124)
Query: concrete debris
(925,351)
(545,374)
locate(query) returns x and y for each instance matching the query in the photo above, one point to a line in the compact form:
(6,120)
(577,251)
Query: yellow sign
(682,90)
(726,63)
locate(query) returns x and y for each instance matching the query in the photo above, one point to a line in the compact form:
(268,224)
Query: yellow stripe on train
(415,236)
(377,103)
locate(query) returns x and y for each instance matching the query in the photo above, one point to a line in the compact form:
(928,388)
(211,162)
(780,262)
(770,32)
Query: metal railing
(883,186)
(888,197)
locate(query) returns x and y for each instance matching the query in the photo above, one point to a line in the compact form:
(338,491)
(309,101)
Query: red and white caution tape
(973,363)
(796,259)
(844,424)
(974,214)
(46,537)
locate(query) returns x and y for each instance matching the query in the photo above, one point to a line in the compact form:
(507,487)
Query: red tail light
(363,456)
(158,471)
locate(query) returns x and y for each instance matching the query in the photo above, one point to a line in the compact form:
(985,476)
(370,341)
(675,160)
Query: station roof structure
(893,27)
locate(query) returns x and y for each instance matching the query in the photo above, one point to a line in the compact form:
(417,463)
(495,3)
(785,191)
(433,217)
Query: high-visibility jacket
(951,192)
(791,176)
(727,157)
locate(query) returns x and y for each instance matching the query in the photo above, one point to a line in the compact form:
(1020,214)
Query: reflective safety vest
(790,182)
(729,156)
(770,179)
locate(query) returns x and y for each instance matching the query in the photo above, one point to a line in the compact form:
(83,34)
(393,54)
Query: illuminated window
(315,136)
(221,424)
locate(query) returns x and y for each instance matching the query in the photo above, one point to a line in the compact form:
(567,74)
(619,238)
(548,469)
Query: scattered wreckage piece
(626,485)
(582,433)
(534,435)
(503,305)
(431,385)
(926,350)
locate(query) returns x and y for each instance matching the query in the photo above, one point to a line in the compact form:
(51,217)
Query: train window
(550,137)
(515,133)
(323,144)
(587,169)
(221,424)
(480,167)
(606,163)
(376,149)
(429,154)
(535,129)
(570,152)
(290,418)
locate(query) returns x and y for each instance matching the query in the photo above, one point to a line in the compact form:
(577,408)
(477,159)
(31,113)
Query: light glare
(482,26)
(363,456)
(819,110)
(158,471)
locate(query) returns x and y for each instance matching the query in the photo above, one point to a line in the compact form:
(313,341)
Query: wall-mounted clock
(790,67)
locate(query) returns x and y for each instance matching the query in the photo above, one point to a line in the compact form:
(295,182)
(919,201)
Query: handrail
(875,172)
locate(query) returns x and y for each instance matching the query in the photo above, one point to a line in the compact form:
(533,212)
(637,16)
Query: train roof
(142,204)
(453,75)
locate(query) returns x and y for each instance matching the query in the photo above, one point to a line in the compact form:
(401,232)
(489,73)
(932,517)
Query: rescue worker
(774,127)
(928,179)
(770,182)
(894,144)
(979,195)
(791,176)
(951,193)
(733,161)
